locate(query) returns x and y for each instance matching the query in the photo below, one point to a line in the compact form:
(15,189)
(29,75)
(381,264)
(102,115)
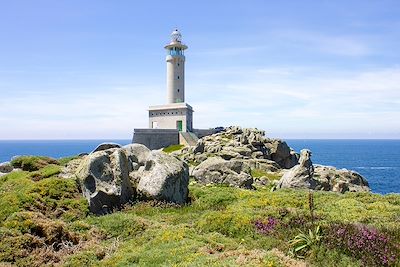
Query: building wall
(156,138)
(167,118)
(175,79)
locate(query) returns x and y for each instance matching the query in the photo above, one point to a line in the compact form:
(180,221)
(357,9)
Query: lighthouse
(175,68)
(176,114)
(172,123)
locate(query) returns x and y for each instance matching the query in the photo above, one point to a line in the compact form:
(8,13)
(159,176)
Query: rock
(199,148)
(261,181)
(301,175)
(137,154)
(279,151)
(324,178)
(292,160)
(242,150)
(6,167)
(70,169)
(104,177)
(164,178)
(331,179)
(105,146)
(228,154)
(216,170)
(113,177)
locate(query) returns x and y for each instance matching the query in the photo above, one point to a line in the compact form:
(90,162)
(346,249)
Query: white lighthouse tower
(175,69)
(176,114)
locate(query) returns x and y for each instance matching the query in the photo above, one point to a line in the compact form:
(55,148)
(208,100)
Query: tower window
(178,64)
(178,77)
(178,90)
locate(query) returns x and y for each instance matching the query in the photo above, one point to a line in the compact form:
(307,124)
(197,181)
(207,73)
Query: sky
(72,69)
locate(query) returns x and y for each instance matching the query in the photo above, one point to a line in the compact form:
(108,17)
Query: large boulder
(104,177)
(115,176)
(301,175)
(216,170)
(281,153)
(163,178)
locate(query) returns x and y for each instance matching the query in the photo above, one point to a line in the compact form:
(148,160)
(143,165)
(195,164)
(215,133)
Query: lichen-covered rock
(105,146)
(163,178)
(305,175)
(115,176)
(216,170)
(281,153)
(301,175)
(241,143)
(71,168)
(331,179)
(104,177)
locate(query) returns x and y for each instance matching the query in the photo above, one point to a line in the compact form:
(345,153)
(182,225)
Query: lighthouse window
(178,64)
(178,77)
(178,90)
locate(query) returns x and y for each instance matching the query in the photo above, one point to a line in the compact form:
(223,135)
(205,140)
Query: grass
(46,221)
(261,174)
(172,148)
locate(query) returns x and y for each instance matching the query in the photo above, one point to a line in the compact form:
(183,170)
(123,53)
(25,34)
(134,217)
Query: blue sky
(297,69)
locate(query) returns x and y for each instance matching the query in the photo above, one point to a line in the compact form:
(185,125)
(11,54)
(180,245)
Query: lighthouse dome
(176,36)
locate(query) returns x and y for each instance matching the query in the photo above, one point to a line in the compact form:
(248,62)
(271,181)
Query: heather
(45,220)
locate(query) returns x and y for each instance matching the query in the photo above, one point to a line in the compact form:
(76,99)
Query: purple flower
(266,227)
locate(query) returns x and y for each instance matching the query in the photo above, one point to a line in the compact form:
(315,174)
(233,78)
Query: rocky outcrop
(112,177)
(331,179)
(241,143)
(214,159)
(217,170)
(326,178)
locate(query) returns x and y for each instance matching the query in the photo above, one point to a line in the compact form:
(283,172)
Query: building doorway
(154,125)
(179,125)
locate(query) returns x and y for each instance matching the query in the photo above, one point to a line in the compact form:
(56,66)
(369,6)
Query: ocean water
(376,160)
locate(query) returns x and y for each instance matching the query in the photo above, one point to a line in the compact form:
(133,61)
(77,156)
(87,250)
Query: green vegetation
(32,163)
(258,174)
(46,220)
(172,148)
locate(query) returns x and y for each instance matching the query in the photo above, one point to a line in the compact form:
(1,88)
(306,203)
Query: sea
(377,160)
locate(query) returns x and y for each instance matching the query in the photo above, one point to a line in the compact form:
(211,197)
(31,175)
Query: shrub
(54,197)
(45,172)
(31,235)
(372,247)
(303,242)
(229,223)
(32,163)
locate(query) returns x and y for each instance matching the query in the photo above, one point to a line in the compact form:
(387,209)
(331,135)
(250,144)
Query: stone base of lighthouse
(177,116)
